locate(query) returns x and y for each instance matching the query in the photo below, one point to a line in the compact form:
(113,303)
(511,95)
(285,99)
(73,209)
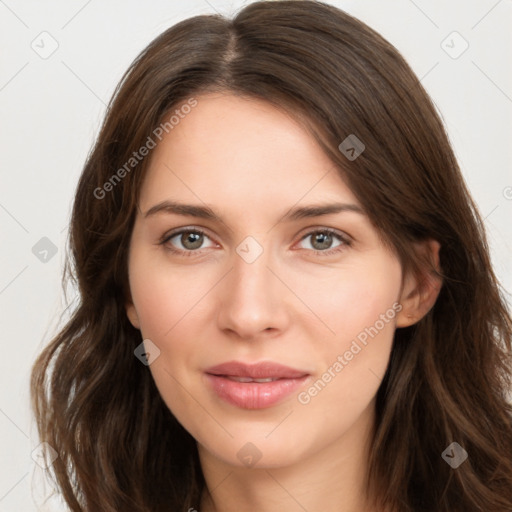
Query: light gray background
(51,109)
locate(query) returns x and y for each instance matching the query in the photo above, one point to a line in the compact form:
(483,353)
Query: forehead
(239,151)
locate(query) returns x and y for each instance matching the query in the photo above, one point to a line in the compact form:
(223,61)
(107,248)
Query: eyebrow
(296,213)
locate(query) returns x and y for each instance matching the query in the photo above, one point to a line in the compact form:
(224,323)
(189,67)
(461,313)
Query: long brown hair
(119,446)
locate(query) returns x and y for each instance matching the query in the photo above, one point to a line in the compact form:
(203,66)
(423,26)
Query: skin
(251,163)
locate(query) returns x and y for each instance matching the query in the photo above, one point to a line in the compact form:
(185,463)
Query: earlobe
(420,292)
(132,315)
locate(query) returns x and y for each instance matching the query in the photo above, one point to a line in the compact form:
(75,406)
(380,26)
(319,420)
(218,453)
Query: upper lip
(262,370)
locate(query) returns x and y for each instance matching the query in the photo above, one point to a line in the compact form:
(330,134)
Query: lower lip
(253,395)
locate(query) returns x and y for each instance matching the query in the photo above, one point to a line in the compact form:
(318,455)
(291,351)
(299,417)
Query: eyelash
(345,241)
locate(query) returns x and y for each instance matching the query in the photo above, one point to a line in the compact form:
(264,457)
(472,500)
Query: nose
(253,302)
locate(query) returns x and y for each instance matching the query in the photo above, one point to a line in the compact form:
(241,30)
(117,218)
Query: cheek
(359,306)
(354,298)
(164,296)
(168,303)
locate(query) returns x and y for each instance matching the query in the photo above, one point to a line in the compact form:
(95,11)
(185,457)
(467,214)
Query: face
(276,262)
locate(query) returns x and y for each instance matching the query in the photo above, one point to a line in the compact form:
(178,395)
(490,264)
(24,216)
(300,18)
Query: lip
(254,395)
(262,370)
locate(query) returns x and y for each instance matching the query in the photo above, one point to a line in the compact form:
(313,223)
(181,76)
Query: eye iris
(324,239)
(192,240)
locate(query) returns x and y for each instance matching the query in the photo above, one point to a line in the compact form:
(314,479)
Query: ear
(420,292)
(131,312)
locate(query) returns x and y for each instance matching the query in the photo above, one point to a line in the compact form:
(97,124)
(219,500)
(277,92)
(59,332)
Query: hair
(449,375)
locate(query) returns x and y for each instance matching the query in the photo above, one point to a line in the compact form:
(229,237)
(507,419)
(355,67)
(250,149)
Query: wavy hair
(449,375)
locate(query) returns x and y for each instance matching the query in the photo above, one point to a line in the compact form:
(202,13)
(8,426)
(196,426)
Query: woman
(287,300)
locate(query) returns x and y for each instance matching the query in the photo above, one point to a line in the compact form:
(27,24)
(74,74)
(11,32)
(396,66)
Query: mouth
(249,379)
(255,386)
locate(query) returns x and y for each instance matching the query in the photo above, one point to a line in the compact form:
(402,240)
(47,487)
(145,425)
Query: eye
(186,240)
(325,241)
(190,241)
